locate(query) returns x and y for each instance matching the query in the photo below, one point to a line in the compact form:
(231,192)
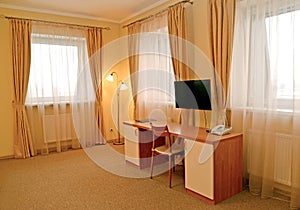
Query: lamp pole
(118,101)
(110,78)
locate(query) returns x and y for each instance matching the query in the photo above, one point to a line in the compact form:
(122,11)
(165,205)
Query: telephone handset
(220,130)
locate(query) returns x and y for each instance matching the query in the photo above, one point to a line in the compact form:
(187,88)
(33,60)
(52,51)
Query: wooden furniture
(138,144)
(170,149)
(219,176)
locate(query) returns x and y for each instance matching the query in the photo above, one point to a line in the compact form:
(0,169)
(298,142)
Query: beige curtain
(177,28)
(21,51)
(94,45)
(295,171)
(264,96)
(221,15)
(155,73)
(133,49)
(58,56)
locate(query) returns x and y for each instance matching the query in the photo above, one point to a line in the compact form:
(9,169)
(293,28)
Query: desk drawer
(131,144)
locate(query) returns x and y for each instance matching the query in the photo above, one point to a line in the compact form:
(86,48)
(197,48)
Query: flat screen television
(193,94)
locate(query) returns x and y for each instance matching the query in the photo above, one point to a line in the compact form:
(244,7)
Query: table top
(187,132)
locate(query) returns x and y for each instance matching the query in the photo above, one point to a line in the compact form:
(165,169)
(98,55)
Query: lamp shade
(123,86)
(110,78)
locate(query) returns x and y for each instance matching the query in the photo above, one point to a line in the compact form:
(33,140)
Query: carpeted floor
(71,180)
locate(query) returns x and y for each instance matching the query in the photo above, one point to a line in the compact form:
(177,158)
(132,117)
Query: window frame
(80,43)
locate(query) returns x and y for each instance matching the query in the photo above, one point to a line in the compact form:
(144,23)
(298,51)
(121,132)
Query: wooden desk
(214,180)
(138,143)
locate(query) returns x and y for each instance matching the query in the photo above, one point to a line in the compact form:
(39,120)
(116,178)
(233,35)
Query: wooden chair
(170,150)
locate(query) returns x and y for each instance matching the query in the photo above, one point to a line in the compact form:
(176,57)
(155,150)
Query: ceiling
(108,10)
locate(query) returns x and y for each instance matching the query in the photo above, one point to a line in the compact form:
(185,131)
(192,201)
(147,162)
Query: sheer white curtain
(155,76)
(59,65)
(265,93)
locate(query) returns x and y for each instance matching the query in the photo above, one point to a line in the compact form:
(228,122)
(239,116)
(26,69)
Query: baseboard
(110,141)
(115,140)
(7,157)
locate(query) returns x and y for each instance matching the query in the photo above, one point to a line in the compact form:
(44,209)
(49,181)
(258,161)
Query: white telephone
(220,130)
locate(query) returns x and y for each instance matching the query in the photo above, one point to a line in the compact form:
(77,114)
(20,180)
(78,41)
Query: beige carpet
(70,180)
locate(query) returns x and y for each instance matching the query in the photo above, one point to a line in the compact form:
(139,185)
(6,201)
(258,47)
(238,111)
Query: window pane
(155,66)
(283,36)
(54,68)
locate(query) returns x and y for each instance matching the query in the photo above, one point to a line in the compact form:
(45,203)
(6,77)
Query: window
(283,37)
(266,51)
(55,64)
(156,75)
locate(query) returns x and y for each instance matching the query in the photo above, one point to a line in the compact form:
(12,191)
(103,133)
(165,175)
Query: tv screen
(193,94)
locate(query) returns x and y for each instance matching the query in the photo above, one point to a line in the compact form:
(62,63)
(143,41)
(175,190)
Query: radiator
(57,127)
(283,159)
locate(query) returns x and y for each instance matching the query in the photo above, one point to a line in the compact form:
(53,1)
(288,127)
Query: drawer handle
(135,132)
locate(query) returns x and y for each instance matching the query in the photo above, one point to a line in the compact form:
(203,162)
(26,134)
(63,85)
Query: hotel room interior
(82,81)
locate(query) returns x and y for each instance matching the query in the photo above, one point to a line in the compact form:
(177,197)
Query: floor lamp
(123,86)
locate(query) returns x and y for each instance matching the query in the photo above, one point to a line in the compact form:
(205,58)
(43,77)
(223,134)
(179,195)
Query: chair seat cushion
(176,149)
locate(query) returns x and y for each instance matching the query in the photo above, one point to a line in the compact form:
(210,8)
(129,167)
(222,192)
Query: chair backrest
(160,131)
(158,115)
